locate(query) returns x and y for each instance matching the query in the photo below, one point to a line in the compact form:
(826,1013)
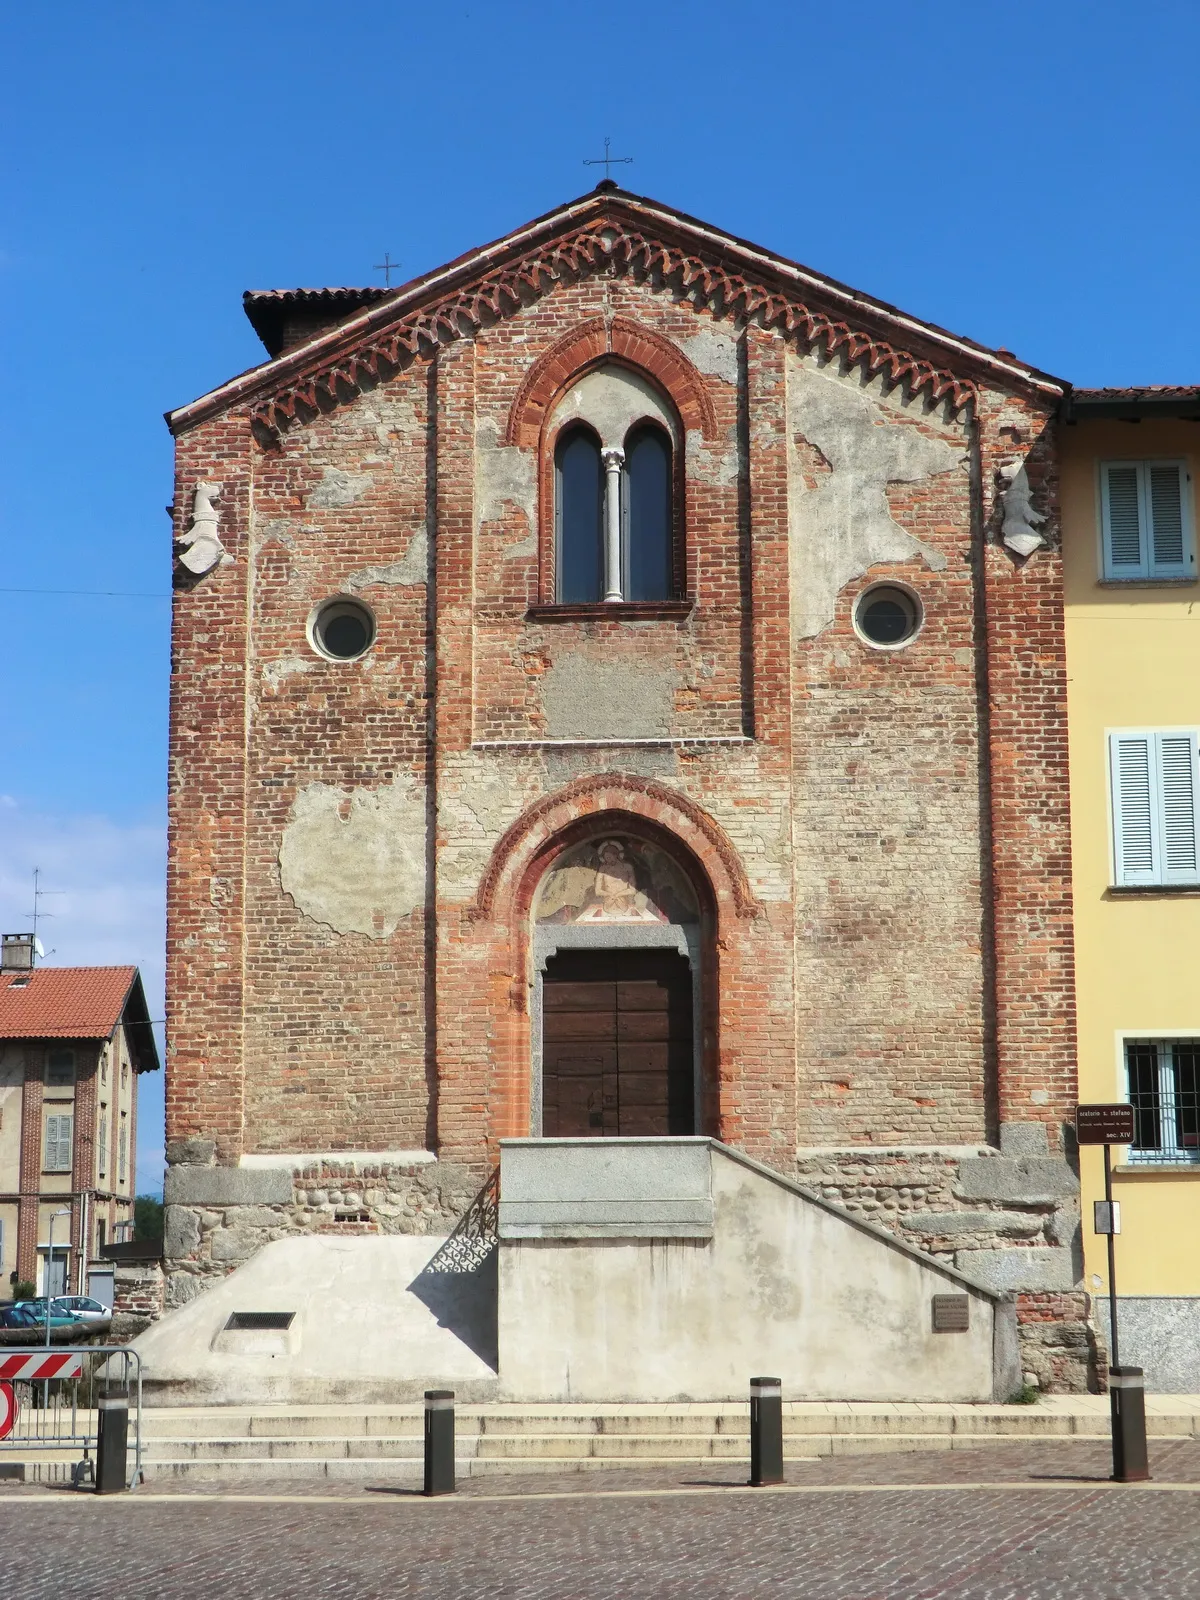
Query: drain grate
(279,1320)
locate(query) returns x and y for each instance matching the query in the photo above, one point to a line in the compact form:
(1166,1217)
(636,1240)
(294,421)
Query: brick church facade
(618,689)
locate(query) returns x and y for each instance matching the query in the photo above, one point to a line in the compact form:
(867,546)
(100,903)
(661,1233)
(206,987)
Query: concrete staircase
(211,1445)
(387,1441)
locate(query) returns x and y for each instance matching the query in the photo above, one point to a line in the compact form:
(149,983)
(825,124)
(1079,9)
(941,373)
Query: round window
(343,629)
(887,616)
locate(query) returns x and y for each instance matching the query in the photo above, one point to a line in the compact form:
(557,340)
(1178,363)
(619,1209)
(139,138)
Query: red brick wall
(860,985)
(1026,717)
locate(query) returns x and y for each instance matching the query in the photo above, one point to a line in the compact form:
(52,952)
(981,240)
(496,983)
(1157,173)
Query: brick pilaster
(31,1163)
(1030,788)
(207,815)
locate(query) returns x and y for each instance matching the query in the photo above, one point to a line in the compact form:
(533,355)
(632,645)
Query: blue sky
(1023,173)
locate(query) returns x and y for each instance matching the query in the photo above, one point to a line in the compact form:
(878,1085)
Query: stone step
(408,1423)
(563,1449)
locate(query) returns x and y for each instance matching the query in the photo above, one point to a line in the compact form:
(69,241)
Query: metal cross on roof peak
(387,266)
(607,161)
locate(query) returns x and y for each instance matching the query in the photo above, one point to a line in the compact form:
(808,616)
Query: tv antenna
(38,915)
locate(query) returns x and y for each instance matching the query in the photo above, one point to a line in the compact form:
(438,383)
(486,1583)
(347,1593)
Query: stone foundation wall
(1062,1343)
(1008,1218)
(218,1217)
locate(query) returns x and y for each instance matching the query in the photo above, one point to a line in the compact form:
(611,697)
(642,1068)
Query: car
(25,1323)
(81,1305)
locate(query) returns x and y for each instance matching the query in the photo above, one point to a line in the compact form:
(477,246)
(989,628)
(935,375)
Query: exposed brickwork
(138,1299)
(1024,659)
(877,839)
(31,1166)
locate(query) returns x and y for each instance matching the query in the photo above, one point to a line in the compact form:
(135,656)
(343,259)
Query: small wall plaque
(951,1313)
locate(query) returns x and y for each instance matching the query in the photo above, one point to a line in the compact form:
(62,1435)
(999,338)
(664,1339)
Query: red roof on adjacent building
(64,1002)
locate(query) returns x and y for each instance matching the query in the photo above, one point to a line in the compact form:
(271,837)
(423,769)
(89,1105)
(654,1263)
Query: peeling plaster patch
(563,766)
(713,353)
(505,475)
(339,488)
(483,795)
(393,416)
(612,399)
(356,859)
(523,547)
(583,698)
(274,672)
(717,466)
(412,568)
(844,526)
(487,803)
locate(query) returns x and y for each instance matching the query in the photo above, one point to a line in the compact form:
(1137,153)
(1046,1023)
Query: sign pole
(1112,1259)
(1109,1125)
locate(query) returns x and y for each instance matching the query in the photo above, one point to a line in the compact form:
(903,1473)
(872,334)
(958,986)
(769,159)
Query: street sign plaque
(1104,1124)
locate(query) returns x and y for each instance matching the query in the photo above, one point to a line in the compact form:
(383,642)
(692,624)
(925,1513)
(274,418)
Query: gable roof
(1152,400)
(283,318)
(629,233)
(77,1003)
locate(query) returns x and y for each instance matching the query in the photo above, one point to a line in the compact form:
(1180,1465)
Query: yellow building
(1129,460)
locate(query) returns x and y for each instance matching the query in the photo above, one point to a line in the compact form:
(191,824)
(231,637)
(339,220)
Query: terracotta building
(618,691)
(73,1043)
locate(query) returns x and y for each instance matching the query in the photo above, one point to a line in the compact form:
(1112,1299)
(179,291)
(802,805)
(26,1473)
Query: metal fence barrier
(57,1394)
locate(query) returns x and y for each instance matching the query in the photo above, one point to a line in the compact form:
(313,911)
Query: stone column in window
(614,460)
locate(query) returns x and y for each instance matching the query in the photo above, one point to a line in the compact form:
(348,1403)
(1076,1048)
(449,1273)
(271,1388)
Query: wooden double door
(617,1056)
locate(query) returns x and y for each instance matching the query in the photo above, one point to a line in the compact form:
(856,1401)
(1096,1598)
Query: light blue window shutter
(1134,807)
(1170,545)
(1125,554)
(1180,789)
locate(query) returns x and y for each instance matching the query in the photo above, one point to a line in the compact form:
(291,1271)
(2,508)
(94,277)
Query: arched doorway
(616,1014)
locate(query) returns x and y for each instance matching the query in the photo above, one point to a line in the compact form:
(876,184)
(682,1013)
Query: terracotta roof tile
(1146,392)
(63,1002)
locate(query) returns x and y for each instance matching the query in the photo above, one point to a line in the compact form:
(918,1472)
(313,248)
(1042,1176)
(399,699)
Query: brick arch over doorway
(485,976)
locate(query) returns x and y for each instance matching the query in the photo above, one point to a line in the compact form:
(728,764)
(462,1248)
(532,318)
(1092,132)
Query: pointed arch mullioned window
(614,516)
(578,517)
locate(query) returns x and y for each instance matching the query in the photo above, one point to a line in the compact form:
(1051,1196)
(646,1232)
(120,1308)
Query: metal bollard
(112,1441)
(766,1431)
(1127,1397)
(439,1441)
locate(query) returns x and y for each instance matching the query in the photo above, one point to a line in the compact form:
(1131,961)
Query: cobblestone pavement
(1001,1523)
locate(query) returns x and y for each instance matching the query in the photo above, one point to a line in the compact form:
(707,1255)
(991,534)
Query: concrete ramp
(373,1320)
(676,1269)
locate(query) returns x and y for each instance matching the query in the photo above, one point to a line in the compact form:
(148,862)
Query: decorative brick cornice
(607,243)
(638,797)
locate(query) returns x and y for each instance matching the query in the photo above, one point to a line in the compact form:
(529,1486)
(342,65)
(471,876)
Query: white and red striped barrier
(24,1365)
(8,1409)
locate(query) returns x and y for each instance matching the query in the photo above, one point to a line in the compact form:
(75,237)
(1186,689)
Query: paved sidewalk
(1045,1466)
(1019,1522)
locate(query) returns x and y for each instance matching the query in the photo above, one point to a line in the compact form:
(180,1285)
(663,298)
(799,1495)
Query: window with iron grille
(102,1146)
(1164,1080)
(122,1150)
